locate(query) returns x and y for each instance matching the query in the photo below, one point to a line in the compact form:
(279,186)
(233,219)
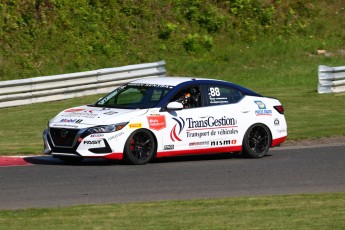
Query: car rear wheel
(140,147)
(256,141)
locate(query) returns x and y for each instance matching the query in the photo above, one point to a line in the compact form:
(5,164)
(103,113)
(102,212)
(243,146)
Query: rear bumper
(278,141)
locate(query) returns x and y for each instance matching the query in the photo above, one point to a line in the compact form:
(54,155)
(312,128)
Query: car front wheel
(256,141)
(140,147)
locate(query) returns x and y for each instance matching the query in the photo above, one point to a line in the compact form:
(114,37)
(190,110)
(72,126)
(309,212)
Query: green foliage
(251,19)
(196,43)
(191,43)
(46,37)
(203,15)
(168,29)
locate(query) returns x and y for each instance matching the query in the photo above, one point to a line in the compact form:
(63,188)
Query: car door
(180,133)
(204,127)
(225,116)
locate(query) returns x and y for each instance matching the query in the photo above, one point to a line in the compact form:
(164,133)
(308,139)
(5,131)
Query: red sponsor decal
(156,122)
(173,135)
(73,110)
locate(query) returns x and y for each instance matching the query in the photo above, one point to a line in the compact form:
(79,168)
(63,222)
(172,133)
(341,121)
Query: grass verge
(317,211)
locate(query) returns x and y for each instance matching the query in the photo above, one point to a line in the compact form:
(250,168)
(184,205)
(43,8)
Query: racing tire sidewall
(129,156)
(256,141)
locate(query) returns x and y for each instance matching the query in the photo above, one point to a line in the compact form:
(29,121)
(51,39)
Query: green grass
(21,127)
(321,211)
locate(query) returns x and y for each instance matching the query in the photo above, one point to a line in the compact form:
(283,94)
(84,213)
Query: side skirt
(226,149)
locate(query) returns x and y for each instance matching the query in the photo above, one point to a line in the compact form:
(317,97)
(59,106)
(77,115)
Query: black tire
(256,141)
(140,147)
(70,160)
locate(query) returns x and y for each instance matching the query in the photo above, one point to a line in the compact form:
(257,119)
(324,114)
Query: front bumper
(77,143)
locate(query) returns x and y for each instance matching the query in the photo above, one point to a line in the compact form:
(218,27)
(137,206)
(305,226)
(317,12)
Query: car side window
(189,97)
(219,95)
(128,97)
(158,94)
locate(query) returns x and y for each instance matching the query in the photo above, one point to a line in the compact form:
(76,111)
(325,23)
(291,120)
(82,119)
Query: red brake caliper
(132,145)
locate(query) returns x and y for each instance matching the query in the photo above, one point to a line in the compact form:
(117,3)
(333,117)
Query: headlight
(107,128)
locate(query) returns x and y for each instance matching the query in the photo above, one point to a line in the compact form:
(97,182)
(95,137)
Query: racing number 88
(214,92)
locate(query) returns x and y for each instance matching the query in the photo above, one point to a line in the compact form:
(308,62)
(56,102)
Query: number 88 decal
(214,92)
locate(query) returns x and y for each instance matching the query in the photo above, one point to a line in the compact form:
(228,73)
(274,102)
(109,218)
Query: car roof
(170,81)
(182,81)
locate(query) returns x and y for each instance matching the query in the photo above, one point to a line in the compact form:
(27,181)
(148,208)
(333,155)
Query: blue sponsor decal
(262,111)
(260,104)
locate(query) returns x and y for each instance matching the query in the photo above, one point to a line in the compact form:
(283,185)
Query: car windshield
(134,96)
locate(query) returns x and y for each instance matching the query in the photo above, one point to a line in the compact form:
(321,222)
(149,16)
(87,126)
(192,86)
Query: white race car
(168,116)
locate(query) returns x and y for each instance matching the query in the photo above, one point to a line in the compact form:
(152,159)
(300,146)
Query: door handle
(245,110)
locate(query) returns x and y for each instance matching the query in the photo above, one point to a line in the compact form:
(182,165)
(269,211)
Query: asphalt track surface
(43,181)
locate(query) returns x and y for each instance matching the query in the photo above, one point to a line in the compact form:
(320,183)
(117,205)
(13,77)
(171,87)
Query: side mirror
(174,106)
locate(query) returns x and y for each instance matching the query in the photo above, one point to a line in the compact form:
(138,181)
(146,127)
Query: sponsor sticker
(110,113)
(82,114)
(92,142)
(199,128)
(156,122)
(198,134)
(151,85)
(135,125)
(71,120)
(281,130)
(223,142)
(198,144)
(168,147)
(97,135)
(65,125)
(154,112)
(262,111)
(116,136)
(74,110)
(210,122)
(260,104)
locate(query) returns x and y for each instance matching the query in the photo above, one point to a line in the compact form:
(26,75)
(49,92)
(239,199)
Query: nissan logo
(276,121)
(63,133)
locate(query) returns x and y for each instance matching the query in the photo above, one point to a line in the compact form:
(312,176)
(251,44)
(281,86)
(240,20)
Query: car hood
(88,116)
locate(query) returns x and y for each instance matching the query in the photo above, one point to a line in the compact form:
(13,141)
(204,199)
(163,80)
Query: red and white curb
(6,161)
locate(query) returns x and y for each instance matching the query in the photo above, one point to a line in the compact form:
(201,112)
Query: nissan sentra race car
(165,117)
